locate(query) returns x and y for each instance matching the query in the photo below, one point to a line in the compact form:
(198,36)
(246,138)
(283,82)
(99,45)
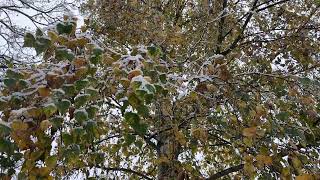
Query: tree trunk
(169,149)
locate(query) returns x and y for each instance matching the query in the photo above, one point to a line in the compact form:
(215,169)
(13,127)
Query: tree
(168,90)
(19,16)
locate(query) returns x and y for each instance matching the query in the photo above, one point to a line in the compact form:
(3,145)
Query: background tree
(221,89)
(19,16)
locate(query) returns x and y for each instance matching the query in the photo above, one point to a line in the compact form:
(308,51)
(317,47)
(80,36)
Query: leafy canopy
(217,90)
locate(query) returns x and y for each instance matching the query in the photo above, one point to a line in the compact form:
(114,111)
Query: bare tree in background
(19,16)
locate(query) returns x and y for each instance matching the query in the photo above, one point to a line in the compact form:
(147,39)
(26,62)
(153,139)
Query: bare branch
(226,172)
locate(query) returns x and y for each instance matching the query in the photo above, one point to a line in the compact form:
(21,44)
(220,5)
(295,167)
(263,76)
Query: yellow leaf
(34,112)
(19,126)
(200,134)
(305,177)
(249,132)
(260,110)
(125,82)
(134,73)
(44,91)
(179,136)
(53,36)
(81,71)
(45,124)
(264,160)
(249,169)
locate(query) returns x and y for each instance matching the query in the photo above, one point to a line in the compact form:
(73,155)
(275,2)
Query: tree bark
(169,150)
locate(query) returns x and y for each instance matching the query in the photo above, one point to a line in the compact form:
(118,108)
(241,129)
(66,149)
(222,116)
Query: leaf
(63,106)
(134,121)
(69,89)
(67,139)
(29,40)
(81,84)
(153,51)
(9,82)
(81,100)
(56,122)
(134,100)
(134,73)
(143,111)
(45,124)
(80,115)
(4,131)
(53,36)
(249,132)
(39,32)
(163,78)
(3,104)
(129,139)
(4,145)
(15,74)
(64,28)
(51,161)
(19,126)
(35,112)
(79,62)
(305,177)
(94,93)
(249,169)
(282,116)
(92,110)
(63,53)
(49,109)
(44,91)
(264,160)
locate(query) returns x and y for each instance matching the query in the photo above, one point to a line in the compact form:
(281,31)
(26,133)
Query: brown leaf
(249,132)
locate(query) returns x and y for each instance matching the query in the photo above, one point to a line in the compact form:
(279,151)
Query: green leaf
(92,110)
(95,59)
(3,104)
(81,100)
(134,100)
(143,110)
(29,40)
(94,93)
(134,121)
(56,121)
(163,78)
(51,161)
(11,73)
(153,51)
(22,84)
(39,32)
(5,145)
(9,82)
(140,128)
(4,130)
(81,115)
(97,51)
(50,109)
(283,116)
(80,84)
(63,53)
(64,27)
(63,106)
(129,139)
(67,139)
(69,89)
(91,128)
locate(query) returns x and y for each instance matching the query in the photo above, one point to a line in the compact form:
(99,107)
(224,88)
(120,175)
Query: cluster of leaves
(52,103)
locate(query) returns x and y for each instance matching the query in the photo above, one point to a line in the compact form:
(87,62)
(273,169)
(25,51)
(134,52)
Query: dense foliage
(179,89)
